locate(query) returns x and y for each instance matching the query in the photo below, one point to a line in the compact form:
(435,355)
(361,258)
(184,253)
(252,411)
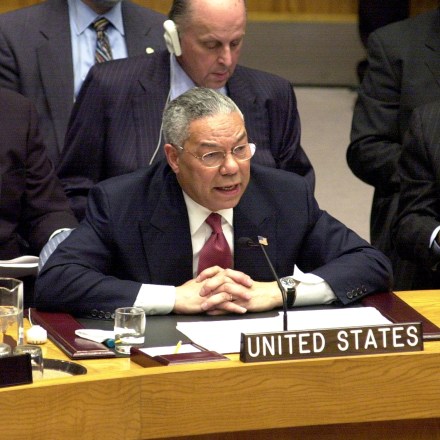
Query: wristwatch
(289,284)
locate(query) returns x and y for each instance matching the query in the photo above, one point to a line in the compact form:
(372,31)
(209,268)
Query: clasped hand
(218,291)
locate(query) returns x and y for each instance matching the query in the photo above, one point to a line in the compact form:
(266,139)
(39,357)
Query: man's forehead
(217,13)
(229,124)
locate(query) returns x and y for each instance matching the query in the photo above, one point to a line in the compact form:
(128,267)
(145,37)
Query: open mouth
(227,188)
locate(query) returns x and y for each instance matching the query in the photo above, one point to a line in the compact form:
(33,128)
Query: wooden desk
(394,396)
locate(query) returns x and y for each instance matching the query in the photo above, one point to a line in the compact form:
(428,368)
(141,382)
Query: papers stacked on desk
(224,336)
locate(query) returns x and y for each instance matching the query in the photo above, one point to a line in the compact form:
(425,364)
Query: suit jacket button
(107,315)
(94,313)
(100,314)
(349,295)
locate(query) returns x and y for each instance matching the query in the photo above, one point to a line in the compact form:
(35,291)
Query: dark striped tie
(103,50)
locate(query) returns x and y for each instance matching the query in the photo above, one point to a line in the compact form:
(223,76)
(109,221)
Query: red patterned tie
(216,251)
(103,50)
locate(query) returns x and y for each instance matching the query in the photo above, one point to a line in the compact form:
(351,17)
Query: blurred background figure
(402,74)
(46,51)
(374,14)
(32,202)
(416,234)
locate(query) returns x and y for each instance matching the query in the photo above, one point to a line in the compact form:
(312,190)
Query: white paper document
(224,336)
(19,267)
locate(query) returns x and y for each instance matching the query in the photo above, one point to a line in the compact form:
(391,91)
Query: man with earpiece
(115,126)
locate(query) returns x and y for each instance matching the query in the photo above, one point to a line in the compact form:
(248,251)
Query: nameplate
(350,341)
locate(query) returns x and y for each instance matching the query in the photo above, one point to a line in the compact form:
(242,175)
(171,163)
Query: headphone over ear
(172,38)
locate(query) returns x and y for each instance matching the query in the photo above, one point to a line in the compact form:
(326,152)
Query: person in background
(416,233)
(402,75)
(169,237)
(373,14)
(46,51)
(115,126)
(33,205)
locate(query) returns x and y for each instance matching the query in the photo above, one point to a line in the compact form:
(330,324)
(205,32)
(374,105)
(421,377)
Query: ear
(172,156)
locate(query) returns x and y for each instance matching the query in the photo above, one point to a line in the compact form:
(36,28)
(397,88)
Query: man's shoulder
(255,76)
(275,178)
(132,67)
(149,179)
(411,29)
(34,13)
(149,14)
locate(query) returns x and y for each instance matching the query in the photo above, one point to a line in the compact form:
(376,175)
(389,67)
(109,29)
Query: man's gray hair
(196,103)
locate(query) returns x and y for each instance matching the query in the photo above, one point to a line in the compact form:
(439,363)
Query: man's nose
(225,56)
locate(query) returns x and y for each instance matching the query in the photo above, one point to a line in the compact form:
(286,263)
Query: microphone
(248,242)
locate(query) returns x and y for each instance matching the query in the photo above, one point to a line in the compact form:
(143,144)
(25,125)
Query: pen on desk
(176,350)
(110,343)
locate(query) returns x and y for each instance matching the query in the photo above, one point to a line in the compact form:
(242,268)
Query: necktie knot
(101,24)
(214,220)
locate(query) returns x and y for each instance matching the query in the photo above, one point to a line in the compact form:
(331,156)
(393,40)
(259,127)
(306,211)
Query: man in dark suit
(416,232)
(403,73)
(37,59)
(32,202)
(144,237)
(373,14)
(115,126)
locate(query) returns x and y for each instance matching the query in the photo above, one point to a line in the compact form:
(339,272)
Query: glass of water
(11,311)
(129,328)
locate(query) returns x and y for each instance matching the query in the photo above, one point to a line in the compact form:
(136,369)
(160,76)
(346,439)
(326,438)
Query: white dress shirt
(159,300)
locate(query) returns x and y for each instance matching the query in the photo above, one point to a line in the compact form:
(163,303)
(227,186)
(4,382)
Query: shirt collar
(180,81)
(83,16)
(197,214)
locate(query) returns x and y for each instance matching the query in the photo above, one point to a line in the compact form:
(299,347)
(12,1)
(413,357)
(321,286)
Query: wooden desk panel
(365,397)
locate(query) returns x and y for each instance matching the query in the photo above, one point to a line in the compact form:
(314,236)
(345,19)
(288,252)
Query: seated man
(416,232)
(402,74)
(115,127)
(145,240)
(32,202)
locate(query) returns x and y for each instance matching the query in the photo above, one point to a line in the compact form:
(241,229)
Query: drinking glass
(11,311)
(129,328)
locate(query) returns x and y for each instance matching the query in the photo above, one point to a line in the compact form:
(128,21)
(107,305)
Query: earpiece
(172,38)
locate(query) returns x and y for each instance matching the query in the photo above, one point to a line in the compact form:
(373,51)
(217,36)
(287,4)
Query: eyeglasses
(214,159)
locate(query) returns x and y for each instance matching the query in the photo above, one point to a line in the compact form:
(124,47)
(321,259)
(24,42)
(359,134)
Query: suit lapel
(433,44)
(245,98)
(136,30)
(55,55)
(148,106)
(252,218)
(255,114)
(166,237)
